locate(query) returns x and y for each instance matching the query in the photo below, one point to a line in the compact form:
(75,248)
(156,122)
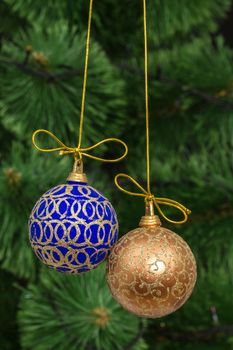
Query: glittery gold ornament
(151,270)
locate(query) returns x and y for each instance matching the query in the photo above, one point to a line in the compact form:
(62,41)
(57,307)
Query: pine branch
(7,38)
(203,334)
(71,72)
(141,330)
(55,308)
(195,92)
(54,79)
(22,66)
(62,302)
(212,99)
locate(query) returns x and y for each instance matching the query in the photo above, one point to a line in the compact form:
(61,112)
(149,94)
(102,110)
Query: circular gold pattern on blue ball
(72,228)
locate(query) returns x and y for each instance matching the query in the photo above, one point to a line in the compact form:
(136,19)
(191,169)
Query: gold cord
(85,75)
(146,98)
(78,151)
(147,193)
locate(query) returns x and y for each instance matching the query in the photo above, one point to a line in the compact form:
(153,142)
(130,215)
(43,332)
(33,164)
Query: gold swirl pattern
(151,271)
(72,228)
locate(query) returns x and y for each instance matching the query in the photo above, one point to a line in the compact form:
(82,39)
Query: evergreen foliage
(191,110)
(81,315)
(44,68)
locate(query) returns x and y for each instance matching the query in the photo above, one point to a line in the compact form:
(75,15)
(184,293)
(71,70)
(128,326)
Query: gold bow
(156,200)
(78,151)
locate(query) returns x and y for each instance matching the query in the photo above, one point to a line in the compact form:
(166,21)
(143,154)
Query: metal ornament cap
(77,173)
(149,219)
(151,271)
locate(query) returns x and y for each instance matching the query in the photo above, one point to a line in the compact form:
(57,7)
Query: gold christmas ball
(151,270)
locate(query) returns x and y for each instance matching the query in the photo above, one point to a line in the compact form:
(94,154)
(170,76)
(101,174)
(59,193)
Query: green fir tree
(191,110)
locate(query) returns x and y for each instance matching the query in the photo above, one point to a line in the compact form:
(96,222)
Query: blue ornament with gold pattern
(72,227)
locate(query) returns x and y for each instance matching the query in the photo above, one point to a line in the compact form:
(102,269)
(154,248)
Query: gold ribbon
(78,151)
(156,200)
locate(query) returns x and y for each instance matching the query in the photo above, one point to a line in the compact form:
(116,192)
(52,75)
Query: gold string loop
(157,201)
(78,152)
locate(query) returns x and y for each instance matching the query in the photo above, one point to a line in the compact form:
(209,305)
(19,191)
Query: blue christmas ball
(72,227)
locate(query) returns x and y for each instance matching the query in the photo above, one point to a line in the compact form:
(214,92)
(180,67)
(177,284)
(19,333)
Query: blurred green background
(191,108)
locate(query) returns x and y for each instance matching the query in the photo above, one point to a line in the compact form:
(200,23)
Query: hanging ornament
(151,271)
(72,226)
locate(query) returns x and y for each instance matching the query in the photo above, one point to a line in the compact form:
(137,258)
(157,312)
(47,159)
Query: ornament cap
(149,219)
(77,173)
